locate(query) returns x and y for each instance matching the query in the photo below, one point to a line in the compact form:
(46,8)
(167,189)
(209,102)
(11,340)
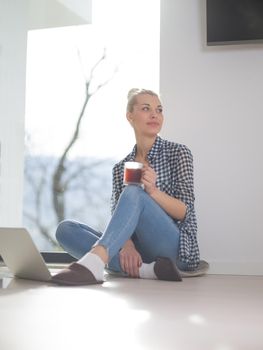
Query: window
(119,51)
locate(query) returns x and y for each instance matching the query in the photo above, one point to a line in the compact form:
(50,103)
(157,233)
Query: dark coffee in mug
(132,173)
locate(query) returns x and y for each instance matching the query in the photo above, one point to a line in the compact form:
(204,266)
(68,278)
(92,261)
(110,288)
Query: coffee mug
(132,173)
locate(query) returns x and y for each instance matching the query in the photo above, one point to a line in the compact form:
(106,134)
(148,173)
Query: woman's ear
(129,116)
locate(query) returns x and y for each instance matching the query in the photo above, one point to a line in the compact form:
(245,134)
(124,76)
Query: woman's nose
(153,114)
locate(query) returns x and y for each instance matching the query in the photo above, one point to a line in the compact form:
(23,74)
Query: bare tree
(86,177)
(57,180)
(60,181)
(38,187)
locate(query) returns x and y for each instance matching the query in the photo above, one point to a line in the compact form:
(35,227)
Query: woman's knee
(133,189)
(132,192)
(64,229)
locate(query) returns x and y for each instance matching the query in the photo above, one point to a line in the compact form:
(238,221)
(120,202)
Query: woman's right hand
(130,259)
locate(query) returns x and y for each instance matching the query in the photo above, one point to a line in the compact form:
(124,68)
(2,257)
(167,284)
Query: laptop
(21,255)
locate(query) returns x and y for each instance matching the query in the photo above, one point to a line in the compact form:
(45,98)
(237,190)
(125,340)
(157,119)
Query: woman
(152,232)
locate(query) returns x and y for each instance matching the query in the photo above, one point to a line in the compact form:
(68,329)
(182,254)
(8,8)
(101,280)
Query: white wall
(12,103)
(58,13)
(213,103)
(16,17)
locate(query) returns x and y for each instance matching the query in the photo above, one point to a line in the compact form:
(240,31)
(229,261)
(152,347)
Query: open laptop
(21,255)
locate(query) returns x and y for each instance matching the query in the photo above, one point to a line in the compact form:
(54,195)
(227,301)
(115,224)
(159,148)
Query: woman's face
(146,117)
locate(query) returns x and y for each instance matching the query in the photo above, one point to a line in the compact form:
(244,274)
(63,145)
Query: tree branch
(58,183)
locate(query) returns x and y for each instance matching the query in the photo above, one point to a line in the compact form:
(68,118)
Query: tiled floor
(213,312)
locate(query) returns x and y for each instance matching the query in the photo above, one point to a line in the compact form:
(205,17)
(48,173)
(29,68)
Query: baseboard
(236,268)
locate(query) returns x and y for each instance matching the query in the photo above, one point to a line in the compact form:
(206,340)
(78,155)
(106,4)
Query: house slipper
(75,275)
(166,270)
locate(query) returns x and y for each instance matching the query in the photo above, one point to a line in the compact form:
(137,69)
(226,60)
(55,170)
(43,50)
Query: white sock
(95,264)
(147,271)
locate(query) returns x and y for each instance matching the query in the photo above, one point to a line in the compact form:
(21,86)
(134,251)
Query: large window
(77,83)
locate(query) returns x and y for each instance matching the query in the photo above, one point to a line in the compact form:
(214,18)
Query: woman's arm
(180,204)
(173,206)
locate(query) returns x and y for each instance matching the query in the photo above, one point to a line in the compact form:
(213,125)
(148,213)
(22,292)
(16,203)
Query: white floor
(213,312)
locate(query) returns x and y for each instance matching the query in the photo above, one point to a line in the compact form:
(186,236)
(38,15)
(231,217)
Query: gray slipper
(166,270)
(201,269)
(75,275)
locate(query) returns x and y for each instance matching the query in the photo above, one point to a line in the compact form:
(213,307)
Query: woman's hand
(130,259)
(149,179)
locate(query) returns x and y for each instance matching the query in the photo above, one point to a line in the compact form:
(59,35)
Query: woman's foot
(162,269)
(166,270)
(88,270)
(75,275)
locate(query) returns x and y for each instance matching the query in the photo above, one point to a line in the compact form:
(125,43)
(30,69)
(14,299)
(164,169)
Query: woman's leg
(76,238)
(128,217)
(156,234)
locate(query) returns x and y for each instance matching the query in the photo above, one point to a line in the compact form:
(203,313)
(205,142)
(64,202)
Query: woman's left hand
(149,177)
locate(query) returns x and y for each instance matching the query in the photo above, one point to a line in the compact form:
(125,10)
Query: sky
(59,62)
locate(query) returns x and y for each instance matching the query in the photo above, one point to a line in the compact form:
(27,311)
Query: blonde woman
(153,231)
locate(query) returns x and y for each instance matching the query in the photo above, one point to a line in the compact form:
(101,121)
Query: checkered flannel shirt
(173,164)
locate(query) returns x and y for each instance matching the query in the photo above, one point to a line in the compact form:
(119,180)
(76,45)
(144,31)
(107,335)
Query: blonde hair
(132,95)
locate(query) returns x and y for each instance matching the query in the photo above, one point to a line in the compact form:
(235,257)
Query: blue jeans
(137,216)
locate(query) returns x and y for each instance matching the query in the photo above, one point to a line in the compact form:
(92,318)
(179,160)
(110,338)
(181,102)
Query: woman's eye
(159,110)
(145,109)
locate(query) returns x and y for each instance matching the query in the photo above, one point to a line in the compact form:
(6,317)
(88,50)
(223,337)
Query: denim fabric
(136,216)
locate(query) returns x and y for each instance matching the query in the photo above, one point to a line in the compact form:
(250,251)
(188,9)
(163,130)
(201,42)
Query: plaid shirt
(173,164)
